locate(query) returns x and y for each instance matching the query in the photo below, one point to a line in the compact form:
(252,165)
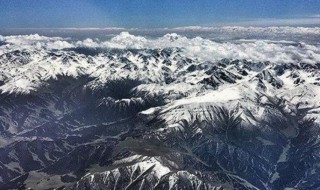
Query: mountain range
(170,112)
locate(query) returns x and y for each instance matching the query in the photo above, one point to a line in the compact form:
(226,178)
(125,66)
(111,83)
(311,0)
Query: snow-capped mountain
(171,112)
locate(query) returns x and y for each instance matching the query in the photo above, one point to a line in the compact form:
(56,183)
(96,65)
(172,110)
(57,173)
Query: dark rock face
(157,119)
(219,76)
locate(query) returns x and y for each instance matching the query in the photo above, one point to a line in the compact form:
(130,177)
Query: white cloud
(29,38)
(89,43)
(36,41)
(58,45)
(126,40)
(204,49)
(258,50)
(280,22)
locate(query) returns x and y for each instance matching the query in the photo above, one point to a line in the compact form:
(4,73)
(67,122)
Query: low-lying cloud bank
(236,29)
(201,48)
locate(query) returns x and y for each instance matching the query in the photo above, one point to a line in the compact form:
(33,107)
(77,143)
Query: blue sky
(156,13)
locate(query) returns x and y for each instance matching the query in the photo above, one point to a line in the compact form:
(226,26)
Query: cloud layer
(201,48)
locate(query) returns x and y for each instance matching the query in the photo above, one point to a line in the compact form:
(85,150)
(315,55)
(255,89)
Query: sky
(156,13)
